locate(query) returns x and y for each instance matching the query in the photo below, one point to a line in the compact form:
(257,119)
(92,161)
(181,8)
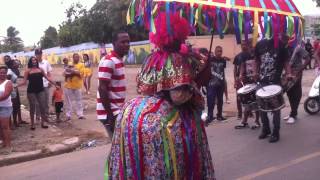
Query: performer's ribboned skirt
(155,140)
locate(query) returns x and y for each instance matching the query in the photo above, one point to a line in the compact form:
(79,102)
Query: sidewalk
(57,139)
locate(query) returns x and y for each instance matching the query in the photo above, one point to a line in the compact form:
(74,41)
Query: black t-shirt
(217,66)
(308,47)
(271,61)
(241,58)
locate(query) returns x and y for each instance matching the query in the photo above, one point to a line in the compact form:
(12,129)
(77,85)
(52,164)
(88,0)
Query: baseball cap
(38,51)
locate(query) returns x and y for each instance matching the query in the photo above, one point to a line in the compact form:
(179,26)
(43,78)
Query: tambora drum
(247,94)
(270,98)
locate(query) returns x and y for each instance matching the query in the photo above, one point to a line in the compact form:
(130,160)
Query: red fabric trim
(115,77)
(112,100)
(104,112)
(105,69)
(119,65)
(117,89)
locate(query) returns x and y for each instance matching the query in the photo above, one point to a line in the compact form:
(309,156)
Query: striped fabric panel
(247,3)
(263,5)
(275,3)
(290,6)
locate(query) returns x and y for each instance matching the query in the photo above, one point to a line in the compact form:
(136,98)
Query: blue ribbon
(168,17)
(290,6)
(247,25)
(219,22)
(135,130)
(247,3)
(236,26)
(296,30)
(276,5)
(206,16)
(233,3)
(265,17)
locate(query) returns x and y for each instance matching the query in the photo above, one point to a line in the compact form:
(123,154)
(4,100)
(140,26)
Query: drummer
(247,63)
(270,62)
(295,92)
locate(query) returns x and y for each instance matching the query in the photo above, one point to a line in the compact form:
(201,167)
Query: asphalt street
(237,154)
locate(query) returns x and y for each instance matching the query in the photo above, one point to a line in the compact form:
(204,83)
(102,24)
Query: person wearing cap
(47,69)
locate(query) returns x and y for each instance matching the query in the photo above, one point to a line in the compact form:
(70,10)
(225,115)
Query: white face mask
(180,96)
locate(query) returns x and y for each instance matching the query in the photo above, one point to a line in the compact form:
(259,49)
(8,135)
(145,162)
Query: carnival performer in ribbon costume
(160,135)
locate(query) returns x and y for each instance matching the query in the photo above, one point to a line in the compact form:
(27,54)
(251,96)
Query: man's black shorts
(58,106)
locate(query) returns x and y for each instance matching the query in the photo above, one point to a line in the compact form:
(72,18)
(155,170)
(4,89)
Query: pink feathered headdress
(170,36)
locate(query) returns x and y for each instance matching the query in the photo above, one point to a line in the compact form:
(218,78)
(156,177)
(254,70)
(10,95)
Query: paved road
(238,154)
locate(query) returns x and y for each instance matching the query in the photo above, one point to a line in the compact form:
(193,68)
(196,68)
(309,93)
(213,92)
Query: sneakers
(264,134)
(291,120)
(274,139)
(286,118)
(221,118)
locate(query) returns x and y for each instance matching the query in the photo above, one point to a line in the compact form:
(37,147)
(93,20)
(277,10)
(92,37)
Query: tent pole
(211,43)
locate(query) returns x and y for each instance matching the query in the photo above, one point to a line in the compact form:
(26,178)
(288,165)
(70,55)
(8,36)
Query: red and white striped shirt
(111,68)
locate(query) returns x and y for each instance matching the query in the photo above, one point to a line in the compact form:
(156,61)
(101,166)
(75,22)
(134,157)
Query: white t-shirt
(46,67)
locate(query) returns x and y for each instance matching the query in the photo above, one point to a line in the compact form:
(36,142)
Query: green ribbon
(240,20)
(106,170)
(290,26)
(227,23)
(164,124)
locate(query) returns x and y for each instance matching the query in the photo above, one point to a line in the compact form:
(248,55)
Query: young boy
(57,100)
(245,76)
(216,85)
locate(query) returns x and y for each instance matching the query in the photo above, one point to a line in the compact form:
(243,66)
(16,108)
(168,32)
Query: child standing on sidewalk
(57,100)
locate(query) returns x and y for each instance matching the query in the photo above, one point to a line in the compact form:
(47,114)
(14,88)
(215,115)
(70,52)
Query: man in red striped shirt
(112,85)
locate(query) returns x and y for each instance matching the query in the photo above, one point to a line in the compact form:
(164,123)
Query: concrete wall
(230,47)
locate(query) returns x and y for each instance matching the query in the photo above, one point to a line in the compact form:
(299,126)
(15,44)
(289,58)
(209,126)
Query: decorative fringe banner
(263,19)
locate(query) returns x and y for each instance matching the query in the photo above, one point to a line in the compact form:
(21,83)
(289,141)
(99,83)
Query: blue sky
(33,17)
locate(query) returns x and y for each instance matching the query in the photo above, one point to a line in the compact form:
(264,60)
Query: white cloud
(33,17)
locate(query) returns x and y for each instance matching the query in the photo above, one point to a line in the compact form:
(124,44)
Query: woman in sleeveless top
(6,88)
(87,73)
(35,90)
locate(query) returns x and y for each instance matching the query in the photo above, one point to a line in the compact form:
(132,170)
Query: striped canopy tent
(261,18)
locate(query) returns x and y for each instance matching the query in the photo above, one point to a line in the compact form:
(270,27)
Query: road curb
(20,157)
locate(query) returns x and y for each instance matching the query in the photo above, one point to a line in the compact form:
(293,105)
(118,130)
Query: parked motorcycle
(312,103)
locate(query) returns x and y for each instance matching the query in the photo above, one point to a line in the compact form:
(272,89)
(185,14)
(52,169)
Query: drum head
(268,91)
(247,88)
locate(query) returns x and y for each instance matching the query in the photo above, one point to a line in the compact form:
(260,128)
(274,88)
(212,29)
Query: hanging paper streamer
(236,26)
(255,28)
(219,22)
(168,17)
(275,28)
(247,20)
(205,15)
(226,23)
(240,17)
(290,26)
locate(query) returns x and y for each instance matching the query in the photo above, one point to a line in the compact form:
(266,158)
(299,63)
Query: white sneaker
(286,118)
(291,120)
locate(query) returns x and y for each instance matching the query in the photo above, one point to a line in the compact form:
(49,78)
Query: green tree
(50,38)
(318,2)
(98,23)
(72,31)
(12,42)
